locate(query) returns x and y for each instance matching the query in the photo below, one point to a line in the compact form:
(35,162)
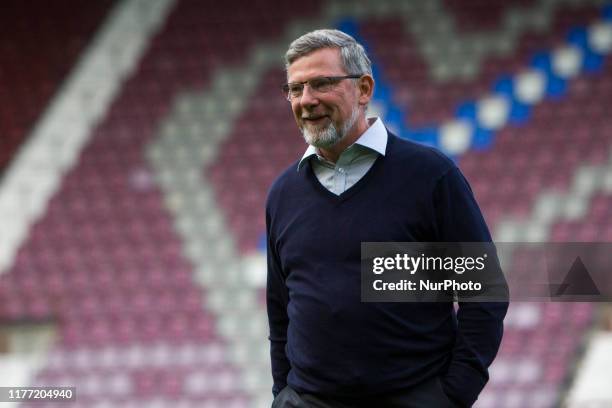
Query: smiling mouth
(315,119)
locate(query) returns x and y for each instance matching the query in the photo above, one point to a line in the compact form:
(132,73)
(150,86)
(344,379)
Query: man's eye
(296,89)
(320,84)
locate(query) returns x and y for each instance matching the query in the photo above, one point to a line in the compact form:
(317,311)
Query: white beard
(329,135)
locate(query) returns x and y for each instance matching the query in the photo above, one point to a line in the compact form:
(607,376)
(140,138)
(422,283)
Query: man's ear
(366,89)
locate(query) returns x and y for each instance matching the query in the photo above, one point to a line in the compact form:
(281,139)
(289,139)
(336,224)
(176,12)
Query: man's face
(324,118)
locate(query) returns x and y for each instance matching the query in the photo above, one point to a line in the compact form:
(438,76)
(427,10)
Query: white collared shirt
(353,163)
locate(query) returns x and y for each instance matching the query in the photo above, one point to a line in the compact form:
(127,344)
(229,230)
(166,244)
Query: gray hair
(353,55)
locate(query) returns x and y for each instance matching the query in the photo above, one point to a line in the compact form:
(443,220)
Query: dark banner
(485,272)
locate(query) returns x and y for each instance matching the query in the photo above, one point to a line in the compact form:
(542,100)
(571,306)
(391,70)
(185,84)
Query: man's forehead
(324,61)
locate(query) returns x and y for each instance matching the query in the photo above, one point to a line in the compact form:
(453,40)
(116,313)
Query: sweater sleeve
(480,324)
(276,301)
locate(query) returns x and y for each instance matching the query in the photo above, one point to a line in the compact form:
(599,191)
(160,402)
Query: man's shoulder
(407,153)
(289,176)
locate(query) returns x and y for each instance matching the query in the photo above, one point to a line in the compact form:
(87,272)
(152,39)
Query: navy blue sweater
(324,340)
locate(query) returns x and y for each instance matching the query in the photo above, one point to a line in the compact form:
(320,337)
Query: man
(357,183)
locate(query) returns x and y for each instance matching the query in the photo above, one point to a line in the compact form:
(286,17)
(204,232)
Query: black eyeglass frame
(331,79)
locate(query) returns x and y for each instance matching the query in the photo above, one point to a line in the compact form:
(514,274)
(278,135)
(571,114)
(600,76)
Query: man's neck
(333,153)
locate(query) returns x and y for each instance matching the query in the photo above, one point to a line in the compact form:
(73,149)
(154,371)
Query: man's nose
(309,97)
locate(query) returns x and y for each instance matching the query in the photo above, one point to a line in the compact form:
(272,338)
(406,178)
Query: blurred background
(138,139)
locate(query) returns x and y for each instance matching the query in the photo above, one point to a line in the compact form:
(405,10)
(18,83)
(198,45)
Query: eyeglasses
(318,84)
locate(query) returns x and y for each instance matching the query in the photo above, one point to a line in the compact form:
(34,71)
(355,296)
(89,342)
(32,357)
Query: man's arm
(276,300)
(480,324)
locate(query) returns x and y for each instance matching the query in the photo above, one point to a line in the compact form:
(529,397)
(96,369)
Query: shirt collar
(374,138)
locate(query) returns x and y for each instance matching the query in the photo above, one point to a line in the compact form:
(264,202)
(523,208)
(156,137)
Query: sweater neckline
(355,187)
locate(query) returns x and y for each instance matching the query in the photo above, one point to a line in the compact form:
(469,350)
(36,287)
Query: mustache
(314,116)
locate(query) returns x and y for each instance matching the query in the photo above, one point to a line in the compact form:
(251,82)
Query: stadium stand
(38,46)
(146,257)
(526,160)
(593,227)
(427,102)
(481,15)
